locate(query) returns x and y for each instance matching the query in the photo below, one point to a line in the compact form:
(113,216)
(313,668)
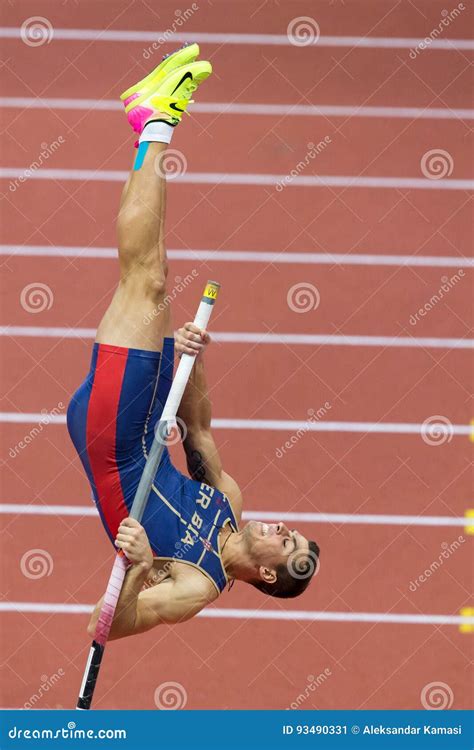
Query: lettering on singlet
(193,528)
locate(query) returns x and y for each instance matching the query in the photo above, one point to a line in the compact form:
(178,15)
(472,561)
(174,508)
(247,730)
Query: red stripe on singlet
(101,434)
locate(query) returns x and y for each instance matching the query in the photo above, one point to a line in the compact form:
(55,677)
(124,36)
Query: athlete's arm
(203,459)
(171,601)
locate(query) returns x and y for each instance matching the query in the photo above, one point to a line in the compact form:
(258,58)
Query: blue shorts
(111,420)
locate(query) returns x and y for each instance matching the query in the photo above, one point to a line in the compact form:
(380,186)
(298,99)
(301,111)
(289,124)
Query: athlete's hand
(132,539)
(191,340)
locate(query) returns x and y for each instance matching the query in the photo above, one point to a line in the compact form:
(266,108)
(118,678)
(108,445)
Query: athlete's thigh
(138,316)
(109,419)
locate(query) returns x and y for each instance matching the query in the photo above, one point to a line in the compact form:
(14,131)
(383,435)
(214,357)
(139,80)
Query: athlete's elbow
(198,434)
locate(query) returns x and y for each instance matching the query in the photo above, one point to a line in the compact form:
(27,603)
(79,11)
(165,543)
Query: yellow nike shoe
(186,54)
(170,98)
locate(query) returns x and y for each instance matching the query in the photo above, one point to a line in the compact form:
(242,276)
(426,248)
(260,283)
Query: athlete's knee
(150,281)
(155,280)
(155,287)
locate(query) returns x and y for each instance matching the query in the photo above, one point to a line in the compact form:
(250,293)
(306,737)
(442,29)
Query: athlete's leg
(138,316)
(166,306)
(112,416)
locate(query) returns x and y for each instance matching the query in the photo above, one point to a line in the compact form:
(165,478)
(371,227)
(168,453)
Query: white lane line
(272,110)
(282,425)
(235,178)
(23,509)
(256,515)
(356,518)
(280,40)
(247,256)
(289,425)
(259,614)
(341,340)
(52,332)
(380,617)
(275,339)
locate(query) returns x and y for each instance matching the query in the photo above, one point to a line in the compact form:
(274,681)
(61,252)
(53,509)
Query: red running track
(254,663)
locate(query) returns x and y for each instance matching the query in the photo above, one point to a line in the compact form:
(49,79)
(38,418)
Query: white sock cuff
(159,132)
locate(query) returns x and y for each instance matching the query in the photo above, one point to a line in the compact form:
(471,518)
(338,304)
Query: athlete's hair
(294,576)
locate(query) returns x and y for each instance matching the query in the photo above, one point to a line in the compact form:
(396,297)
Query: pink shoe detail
(130,99)
(138,116)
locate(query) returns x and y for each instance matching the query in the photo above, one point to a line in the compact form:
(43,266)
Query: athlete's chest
(187,531)
(207,509)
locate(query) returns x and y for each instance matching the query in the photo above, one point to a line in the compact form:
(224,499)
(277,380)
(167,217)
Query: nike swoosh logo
(183,79)
(176,109)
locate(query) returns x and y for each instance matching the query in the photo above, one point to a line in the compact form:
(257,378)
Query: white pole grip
(187,360)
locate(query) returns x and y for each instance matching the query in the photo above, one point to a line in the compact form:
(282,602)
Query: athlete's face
(271,545)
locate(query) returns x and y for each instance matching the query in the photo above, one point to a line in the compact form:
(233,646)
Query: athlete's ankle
(158,130)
